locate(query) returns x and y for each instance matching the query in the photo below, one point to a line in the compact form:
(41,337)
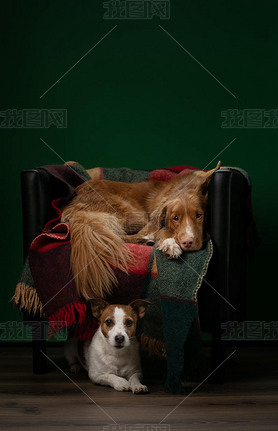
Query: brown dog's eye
(198,215)
(108,322)
(129,322)
(175,218)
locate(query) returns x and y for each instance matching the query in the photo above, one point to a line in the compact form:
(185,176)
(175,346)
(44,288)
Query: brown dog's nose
(119,339)
(187,242)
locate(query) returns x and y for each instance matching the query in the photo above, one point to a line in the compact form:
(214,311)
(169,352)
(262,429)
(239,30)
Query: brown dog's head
(182,212)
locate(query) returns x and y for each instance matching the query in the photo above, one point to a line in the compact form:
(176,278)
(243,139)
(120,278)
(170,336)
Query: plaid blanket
(46,287)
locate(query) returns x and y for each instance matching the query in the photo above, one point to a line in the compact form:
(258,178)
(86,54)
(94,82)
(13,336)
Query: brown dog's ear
(139,306)
(98,305)
(205,178)
(158,216)
(208,174)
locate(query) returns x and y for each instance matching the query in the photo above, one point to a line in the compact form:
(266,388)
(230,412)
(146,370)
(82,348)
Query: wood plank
(248,401)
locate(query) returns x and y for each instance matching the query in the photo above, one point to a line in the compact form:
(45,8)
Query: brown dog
(105,214)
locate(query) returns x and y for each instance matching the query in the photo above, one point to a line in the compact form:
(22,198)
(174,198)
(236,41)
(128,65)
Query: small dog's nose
(119,339)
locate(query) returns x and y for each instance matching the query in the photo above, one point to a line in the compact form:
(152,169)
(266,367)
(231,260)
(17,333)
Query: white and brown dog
(112,356)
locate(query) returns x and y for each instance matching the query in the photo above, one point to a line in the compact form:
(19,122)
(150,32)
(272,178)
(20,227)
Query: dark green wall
(139,100)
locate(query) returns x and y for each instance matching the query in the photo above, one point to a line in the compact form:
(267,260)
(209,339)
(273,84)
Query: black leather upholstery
(223,294)
(226,223)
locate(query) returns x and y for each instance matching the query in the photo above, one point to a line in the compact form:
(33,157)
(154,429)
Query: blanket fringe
(153,346)
(68,316)
(27,299)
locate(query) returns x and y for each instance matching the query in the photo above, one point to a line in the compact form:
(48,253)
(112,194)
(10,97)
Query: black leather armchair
(223,294)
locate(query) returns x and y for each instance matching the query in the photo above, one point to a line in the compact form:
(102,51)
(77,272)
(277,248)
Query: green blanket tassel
(172,383)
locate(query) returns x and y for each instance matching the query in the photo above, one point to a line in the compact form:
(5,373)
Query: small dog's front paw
(140,389)
(121,385)
(75,368)
(170,247)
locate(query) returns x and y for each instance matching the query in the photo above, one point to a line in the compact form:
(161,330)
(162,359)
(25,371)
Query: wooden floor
(247,401)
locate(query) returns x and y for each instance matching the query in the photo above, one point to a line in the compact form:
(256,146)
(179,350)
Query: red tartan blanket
(49,259)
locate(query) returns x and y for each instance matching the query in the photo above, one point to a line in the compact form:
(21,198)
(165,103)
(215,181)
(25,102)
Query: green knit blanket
(172,290)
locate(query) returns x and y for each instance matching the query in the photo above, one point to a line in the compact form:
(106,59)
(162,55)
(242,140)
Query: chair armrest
(226,224)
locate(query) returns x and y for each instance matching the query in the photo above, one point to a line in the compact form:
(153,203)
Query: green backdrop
(149,93)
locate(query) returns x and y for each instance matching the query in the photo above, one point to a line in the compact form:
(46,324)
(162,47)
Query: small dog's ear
(139,306)
(98,305)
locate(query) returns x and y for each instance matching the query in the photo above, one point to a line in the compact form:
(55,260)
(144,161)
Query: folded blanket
(46,287)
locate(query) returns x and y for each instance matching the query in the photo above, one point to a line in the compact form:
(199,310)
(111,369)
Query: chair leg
(39,348)
(218,355)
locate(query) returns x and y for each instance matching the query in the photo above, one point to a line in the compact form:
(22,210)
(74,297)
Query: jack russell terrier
(112,356)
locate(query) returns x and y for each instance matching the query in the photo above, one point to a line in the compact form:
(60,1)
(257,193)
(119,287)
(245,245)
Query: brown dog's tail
(96,244)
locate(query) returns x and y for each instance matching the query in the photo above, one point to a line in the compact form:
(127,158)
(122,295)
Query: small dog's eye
(108,322)
(175,218)
(198,215)
(128,322)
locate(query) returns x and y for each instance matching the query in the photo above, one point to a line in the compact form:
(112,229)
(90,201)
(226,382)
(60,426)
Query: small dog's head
(118,322)
(183,211)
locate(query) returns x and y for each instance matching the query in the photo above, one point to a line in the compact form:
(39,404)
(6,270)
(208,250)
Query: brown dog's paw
(148,240)
(170,248)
